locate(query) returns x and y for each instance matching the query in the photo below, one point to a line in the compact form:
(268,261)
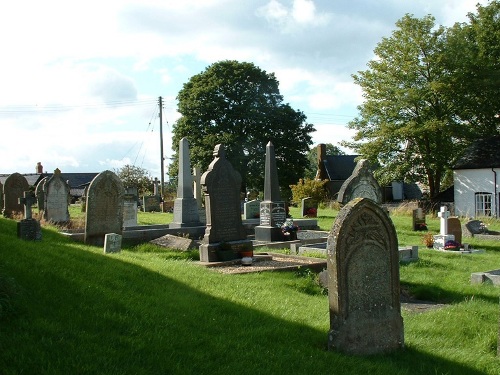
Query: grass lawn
(67,308)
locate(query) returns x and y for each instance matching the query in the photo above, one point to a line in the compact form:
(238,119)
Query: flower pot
(246,253)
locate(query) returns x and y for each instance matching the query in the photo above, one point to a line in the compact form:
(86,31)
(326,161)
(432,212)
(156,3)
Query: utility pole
(160,104)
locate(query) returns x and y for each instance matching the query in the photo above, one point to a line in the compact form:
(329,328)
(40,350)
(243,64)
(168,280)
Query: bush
(309,188)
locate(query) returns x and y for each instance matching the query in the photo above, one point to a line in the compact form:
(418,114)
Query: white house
(476,180)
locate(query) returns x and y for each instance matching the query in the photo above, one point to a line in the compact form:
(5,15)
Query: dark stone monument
(104,208)
(57,199)
(472,227)
(28,228)
(361,184)
(185,205)
(272,208)
(14,187)
(151,203)
(221,185)
(309,207)
(418,220)
(40,194)
(363,288)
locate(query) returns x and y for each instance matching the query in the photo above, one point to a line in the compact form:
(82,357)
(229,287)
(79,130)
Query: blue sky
(80,83)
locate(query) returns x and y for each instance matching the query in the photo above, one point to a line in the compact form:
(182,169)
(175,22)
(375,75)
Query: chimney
(39,168)
(321,157)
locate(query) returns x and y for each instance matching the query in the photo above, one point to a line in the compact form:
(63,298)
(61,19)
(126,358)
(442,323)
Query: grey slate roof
(75,179)
(339,167)
(484,153)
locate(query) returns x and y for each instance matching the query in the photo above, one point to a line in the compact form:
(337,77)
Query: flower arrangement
(421,226)
(311,212)
(451,245)
(428,240)
(288,227)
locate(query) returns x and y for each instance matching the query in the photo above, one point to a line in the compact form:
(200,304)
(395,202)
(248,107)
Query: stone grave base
(491,277)
(223,251)
(463,252)
(268,234)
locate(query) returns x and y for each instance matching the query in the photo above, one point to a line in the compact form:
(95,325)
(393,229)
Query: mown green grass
(151,311)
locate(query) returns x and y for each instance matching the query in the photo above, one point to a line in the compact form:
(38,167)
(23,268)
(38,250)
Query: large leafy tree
(239,105)
(407,124)
(133,176)
(474,63)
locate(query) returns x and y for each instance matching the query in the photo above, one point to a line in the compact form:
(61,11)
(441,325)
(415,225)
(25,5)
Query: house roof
(483,153)
(339,167)
(75,179)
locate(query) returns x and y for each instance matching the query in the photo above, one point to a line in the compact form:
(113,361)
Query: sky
(80,82)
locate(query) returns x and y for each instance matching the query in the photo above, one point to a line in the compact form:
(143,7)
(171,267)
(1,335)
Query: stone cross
(444,214)
(28,200)
(156,191)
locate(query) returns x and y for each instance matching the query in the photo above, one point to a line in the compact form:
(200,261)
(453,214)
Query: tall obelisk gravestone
(185,205)
(272,208)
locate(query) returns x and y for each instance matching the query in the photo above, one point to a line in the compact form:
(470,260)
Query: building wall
(467,182)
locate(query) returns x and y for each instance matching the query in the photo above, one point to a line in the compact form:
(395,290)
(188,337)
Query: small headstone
(185,205)
(151,203)
(104,208)
(418,219)
(112,243)
(56,199)
(28,228)
(473,227)
(363,287)
(455,228)
(251,210)
(14,187)
(309,207)
(221,185)
(130,207)
(272,208)
(361,184)
(174,242)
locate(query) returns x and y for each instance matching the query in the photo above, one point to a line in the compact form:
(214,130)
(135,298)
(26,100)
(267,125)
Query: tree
(132,176)
(407,124)
(474,64)
(239,105)
(312,157)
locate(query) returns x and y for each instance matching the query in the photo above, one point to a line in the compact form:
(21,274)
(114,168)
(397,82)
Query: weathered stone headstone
(151,203)
(130,207)
(473,227)
(361,184)
(198,194)
(14,187)
(56,199)
(272,208)
(28,228)
(40,194)
(419,220)
(251,210)
(185,205)
(363,288)
(309,207)
(112,243)
(221,185)
(104,208)
(455,228)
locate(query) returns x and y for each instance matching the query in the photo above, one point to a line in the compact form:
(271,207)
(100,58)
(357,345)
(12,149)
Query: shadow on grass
(86,313)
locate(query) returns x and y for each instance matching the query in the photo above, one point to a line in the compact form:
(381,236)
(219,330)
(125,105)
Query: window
(483,204)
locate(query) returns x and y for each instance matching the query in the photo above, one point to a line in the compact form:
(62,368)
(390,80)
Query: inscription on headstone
(112,243)
(130,208)
(104,208)
(363,289)
(251,210)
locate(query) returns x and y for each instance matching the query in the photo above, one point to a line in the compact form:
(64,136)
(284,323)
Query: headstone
(1,196)
(251,210)
(104,208)
(455,228)
(28,228)
(151,203)
(14,187)
(40,194)
(419,220)
(84,198)
(364,288)
(221,185)
(272,208)
(309,207)
(473,227)
(443,236)
(130,207)
(361,184)
(56,199)
(198,195)
(185,205)
(174,242)
(112,243)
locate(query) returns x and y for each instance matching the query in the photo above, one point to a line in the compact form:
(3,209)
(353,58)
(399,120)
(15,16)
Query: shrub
(309,188)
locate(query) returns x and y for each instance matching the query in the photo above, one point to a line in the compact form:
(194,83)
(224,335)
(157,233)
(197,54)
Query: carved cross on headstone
(444,214)
(28,200)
